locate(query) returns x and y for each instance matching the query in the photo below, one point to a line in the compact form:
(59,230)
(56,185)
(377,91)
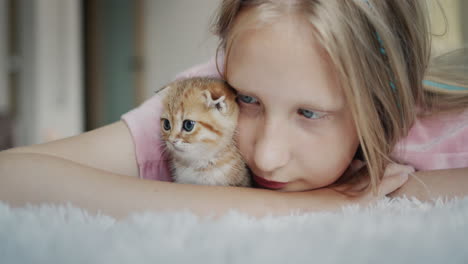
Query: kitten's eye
(310,114)
(247,99)
(188,125)
(166,124)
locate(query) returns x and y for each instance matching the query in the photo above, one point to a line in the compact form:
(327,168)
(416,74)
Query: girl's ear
(219,103)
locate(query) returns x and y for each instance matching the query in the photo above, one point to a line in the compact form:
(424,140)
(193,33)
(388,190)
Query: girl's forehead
(285,58)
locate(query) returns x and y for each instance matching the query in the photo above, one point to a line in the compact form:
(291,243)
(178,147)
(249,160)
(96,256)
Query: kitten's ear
(219,103)
(163,91)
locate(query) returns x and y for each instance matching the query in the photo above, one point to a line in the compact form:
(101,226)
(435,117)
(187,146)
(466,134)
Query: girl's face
(295,130)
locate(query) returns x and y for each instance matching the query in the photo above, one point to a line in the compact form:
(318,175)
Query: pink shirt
(433,143)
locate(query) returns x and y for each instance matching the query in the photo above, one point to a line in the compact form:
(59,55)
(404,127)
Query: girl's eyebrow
(239,91)
(232,86)
(320,108)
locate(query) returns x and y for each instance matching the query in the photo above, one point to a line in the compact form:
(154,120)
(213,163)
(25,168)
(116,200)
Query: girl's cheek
(245,136)
(249,111)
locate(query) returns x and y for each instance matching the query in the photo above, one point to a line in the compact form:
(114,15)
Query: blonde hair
(381,53)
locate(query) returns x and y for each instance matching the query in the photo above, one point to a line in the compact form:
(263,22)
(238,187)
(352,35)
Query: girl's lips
(268,184)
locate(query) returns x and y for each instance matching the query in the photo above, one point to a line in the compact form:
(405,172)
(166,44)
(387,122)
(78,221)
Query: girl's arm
(109,148)
(38,178)
(426,185)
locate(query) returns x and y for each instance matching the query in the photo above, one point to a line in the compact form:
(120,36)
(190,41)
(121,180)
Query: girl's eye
(166,124)
(188,125)
(247,99)
(310,114)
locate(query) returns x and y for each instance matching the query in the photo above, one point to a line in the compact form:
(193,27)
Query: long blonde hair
(381,53)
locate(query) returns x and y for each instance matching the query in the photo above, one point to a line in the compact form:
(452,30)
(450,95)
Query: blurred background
(69,66)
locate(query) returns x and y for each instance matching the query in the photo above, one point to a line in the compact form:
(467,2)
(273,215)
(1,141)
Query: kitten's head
(199,117)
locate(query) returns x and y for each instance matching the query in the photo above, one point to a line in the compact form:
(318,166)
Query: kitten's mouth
(177,148)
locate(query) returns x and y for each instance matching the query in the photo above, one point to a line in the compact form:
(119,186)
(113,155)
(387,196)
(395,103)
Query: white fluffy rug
(393,231)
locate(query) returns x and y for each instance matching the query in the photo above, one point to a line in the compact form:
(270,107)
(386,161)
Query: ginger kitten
(198,124)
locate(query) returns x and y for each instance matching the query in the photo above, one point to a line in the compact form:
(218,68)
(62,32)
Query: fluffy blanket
(392,231)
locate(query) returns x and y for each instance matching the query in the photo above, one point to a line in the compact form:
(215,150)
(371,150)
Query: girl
(320,83)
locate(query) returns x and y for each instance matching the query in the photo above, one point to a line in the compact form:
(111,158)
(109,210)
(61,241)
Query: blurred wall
(50,84)
(4,95)
(456,29)
(177,37)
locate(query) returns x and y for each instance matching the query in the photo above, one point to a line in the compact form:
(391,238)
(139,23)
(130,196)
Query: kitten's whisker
(164,149)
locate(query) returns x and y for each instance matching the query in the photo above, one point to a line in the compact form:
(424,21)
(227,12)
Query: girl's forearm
(37,178)
(427,185)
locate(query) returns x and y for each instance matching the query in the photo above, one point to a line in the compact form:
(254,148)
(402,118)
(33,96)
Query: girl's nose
(271,150)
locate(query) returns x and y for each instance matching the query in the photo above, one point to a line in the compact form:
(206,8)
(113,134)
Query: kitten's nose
(176,141)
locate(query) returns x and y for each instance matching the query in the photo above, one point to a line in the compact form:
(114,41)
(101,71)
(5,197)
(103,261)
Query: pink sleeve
(144,125)
(436,143)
